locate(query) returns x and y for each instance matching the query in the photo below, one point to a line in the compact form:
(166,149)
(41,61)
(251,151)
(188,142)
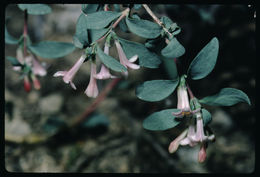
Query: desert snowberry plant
(95,34)
(27,61)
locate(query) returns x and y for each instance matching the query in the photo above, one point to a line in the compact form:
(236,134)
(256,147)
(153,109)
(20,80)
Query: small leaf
(95,34)
(137,6)
(173,50)
(143,28)
(10,39)
(226,97)
(146,58)
(205,61)
(89,8)
(161,120)
(156,90)
(110,62)
(101,19)
(13,61)
(51,49)
(96,120)
(35,9)
(206,116)
(166,21)
(81,35)
(156,44)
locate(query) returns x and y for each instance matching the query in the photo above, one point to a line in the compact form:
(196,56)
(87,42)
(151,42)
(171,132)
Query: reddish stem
(25,32)
(96,102)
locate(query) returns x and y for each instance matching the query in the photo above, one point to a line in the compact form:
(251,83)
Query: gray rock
(51,104)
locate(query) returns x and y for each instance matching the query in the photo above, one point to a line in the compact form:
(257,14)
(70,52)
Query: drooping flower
(176,142)
(92,89)
(37,68)
(104,71)
(69,75)
(123,59)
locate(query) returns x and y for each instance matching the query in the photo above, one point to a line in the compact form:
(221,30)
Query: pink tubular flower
(19,56)
(69,75)
(123,59)
(104,71)
(92,89)
(176,142)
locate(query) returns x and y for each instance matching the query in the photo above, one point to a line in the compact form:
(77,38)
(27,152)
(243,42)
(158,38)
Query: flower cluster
(194,134)
(31,68)
(104,73)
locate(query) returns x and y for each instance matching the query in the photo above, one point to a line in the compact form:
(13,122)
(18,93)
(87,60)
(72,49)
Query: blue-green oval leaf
(156,90)
(206,116)
(226,97)
(146,58)
(96,34)
(51,49)
(89,8)
(161,120)
(80,38)
(205,61)
(173,50)
(101,19)
(143,28)
(10,39)
(110,62)
(35,9)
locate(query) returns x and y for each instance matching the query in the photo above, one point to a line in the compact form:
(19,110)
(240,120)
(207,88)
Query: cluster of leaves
(199,68)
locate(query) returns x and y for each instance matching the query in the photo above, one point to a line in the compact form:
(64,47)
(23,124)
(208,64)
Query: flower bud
(202,153)
(27,84)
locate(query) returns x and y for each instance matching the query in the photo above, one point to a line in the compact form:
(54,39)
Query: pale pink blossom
(104,71)
(176,142)
(27,84)
(36,82)
(123,59)
(37,68)
(69,75)
(92,89)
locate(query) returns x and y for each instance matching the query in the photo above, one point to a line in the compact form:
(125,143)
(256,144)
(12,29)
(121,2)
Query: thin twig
(189,91)
(156,19)
(95,103)
(25,32)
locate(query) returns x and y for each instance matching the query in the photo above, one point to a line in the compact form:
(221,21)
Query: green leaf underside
(95,34)
(101,19)
(81,35)
(13,61)
(173,50)
(161,120)
(166,21)
(226,97)
(205,61)
(51,49)
(35,9)
(146,58)
(206,116)
(156,90)
(110,62)
(143,28)
(10,39)
(89,8)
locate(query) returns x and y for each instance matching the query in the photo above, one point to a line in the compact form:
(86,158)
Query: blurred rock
(221,120)
(51,104)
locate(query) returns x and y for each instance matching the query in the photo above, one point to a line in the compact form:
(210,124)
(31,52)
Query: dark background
(119,144)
